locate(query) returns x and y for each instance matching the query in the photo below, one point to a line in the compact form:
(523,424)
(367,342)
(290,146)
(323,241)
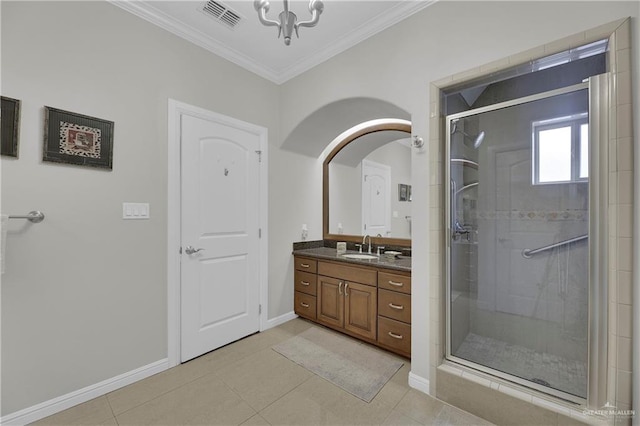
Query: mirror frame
(398,125)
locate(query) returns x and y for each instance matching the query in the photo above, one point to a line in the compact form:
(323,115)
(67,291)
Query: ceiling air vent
(221,13)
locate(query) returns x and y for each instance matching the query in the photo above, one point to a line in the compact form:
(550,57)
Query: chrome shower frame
(597,365)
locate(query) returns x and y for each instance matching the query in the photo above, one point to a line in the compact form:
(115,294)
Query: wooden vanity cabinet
(305,286)
(394,312)
(368,303)
(347,298)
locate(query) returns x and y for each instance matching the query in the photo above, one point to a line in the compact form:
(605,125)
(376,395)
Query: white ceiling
(343,24)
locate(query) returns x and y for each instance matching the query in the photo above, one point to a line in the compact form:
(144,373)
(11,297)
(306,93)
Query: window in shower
(577,53)
(560,149)
(518,284)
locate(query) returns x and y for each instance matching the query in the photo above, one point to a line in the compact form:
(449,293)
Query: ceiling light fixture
(288,21)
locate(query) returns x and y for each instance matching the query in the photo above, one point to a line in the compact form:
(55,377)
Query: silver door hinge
(259,152)
(259,309)
(180,250)
(259,232)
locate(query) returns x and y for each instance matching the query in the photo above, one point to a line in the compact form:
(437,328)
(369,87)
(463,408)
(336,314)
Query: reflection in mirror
(369,186)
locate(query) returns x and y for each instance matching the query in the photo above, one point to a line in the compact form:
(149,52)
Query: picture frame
(77,139)
(10,131)
(404,192)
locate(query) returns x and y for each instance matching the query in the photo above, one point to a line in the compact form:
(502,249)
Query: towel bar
(33,216)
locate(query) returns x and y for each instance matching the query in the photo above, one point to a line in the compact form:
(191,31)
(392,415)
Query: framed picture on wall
(10,127)
(78,139)
(404,192)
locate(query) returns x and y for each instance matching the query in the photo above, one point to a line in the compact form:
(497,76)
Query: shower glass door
(518,261)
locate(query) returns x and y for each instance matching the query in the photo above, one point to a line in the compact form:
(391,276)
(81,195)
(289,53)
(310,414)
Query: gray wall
(84,293)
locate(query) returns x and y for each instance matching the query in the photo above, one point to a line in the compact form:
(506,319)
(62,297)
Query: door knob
(191,250)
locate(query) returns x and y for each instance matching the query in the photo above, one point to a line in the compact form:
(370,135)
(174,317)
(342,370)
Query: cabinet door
(360,309)
(330,298)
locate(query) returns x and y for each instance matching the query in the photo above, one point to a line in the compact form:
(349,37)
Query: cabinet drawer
(394,305)
(348,273)
(394,334)
(304,305)
(305,264)
(305,282)
(395,282)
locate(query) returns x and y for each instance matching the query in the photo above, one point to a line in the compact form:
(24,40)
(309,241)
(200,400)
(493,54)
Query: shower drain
(540,382)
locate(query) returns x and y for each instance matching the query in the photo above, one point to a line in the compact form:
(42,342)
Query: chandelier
(287,20)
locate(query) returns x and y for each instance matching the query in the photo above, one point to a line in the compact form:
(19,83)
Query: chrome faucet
(364,241)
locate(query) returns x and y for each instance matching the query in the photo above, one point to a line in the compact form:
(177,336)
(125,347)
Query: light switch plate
(135,210)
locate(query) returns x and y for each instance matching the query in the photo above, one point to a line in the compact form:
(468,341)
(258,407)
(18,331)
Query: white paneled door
(376,199)
(220,221)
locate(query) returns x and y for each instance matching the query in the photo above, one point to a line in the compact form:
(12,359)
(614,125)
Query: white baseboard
(419,383)
(274,322)
(55,405)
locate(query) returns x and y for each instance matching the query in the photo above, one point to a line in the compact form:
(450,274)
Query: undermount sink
(360,256)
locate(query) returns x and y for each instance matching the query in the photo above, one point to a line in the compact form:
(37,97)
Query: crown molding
(356,36)
(402,11)
(196,37)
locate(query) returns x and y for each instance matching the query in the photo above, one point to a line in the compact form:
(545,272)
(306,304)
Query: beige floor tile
(398,419)
(257,342)
(569,421)
(396,388)
(264,377)
(94,412)
(213,362)
(232,384)
(256,420)
(299,408)
(402,376)
(296,326)
(205,401)
(351,410)
(420,407)
(452,416)
(317,401)
(145,390)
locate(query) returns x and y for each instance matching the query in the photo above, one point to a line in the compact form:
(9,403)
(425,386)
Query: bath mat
(345,362)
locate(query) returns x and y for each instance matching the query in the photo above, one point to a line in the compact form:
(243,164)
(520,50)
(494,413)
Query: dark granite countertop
(402,263)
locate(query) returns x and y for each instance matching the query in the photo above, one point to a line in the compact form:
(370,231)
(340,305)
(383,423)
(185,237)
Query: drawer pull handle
(304,283)
(393,283)
(398,307)
(395,336)
(305,265)
(346,285)
(340,288)
(304,305)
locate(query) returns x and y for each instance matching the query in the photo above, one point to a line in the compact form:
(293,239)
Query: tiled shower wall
(619,214)
(621,223)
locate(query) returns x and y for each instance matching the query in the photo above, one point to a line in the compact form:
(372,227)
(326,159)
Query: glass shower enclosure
(518,249)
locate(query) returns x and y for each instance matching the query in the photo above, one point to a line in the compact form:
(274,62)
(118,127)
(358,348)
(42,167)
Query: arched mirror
(367,185)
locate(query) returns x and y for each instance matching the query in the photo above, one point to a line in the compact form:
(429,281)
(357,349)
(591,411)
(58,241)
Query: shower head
(477,141)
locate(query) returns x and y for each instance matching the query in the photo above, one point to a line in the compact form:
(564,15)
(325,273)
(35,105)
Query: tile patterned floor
(560,373)
(247,383)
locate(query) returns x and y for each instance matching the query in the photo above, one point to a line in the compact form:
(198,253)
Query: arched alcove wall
(315,132)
